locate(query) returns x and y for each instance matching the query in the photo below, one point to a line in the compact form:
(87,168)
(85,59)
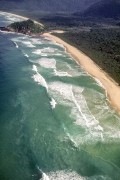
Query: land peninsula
(28,27)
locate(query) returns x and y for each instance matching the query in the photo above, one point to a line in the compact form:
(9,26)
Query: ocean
(56,122)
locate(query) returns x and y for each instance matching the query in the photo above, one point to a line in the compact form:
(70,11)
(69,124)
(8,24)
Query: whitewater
(55,120)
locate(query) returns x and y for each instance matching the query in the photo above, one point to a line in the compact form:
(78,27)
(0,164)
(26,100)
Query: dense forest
(101,45)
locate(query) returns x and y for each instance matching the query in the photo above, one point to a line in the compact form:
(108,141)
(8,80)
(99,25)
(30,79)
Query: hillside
(46,5)
(103,9)
(25,27)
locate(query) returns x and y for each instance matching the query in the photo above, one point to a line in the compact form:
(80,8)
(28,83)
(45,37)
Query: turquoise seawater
(55,119)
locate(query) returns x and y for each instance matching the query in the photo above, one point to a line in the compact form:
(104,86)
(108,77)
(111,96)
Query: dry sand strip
(21,17)
(111,87)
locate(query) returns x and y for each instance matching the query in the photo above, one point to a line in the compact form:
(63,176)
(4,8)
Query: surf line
(41,81)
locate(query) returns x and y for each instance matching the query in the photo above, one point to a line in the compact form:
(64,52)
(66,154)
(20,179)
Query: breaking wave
(72,175)
(71,96)
(53,103)
(16,45)
(44,177)
(26,55)
(39,78)
(65,175)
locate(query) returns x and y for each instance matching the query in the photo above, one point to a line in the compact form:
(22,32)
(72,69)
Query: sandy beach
(111,87)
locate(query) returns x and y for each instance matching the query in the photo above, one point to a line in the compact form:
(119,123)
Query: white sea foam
(16,45)
(58,54)
(47,63)
(69,66)
(53,103)
(113,133)
(99,83)
(6,32)
(98,103)
(69,175)
(44,177)
(65,175)
(26,55)
(99,128)
(21,39)
(47,38)
(74,72)
(43,51)
(28,44)
(36,41)
(9,18)
(43,54)
(39,78)
(80,98)
(90,121)
(81,104)
(61,89)
(12,18)
(60,45)
(70,137)
(48,50)
(35,68)
(38,52)
(61,73)
(71,96)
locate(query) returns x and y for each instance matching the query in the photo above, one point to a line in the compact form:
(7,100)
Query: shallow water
(55,120)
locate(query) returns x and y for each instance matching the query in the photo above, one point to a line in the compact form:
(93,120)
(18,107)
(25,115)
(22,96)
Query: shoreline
(22,17)
(112,90)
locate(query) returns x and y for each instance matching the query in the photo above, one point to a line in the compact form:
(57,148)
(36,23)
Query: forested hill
(103,9)
(47,5)
(28,27)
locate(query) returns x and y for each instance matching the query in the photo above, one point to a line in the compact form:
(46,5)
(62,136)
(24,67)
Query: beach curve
(111,87)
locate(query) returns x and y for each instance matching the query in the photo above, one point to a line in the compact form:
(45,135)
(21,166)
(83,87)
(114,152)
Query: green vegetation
(26,27)
(101,45)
